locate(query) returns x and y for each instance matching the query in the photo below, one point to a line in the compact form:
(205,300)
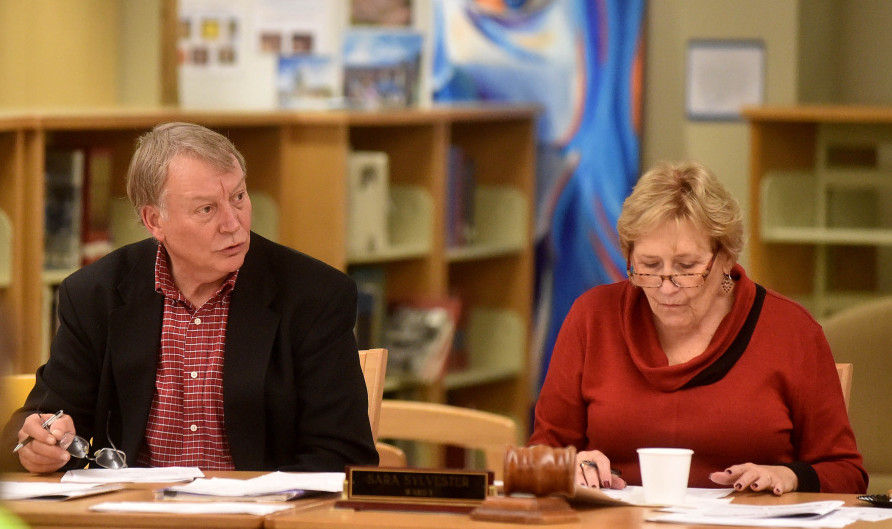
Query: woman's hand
(593,470)
(778,479)
(43,454)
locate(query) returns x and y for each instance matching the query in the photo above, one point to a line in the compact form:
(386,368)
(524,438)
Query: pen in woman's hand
(46,426)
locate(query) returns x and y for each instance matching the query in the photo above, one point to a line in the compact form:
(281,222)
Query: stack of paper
(132,475)
(830,514)
(276,486)
(39,490)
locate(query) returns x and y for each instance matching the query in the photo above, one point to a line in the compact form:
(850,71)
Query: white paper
(814,509)
(266,484)
(23,490)
(809,514)
(634,495)
(180,507)
(132,475)
(830,521)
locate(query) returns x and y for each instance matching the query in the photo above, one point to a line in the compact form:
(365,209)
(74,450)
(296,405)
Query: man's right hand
(43,454)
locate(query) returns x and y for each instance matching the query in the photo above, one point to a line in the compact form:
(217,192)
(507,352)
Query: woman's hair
(155,150)
(681,191)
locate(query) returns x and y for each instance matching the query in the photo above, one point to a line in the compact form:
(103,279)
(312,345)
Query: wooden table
(590,517)
(76,512)
(314,513)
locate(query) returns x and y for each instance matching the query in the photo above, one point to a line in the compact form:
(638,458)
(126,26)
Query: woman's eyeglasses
(680,280)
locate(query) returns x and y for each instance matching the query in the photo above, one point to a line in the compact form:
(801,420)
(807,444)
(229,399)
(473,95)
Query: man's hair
(155,150)
(681,191)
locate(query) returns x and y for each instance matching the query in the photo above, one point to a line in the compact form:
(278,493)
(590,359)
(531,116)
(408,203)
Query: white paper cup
(664,474)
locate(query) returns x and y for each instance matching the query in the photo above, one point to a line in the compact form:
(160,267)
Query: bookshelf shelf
(298,168)
(410,227)
(820,182)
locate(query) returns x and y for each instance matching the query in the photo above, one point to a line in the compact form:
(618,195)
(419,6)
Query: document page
(287,485)
(40,490)
(634,495)
(132,475)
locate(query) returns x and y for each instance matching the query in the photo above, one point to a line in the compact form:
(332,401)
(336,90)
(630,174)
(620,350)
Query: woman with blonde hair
(689,352)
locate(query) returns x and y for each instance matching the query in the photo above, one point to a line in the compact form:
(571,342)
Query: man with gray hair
(205,345)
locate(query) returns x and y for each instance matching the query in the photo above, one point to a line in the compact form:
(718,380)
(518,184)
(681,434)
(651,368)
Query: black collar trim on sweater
(718,369)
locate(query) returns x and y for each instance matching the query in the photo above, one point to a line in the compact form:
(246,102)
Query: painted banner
(581,61)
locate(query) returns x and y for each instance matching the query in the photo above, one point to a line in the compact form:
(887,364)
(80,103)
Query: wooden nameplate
(513,509)
(415,489)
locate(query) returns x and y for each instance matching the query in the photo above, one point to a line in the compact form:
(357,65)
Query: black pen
(46,426)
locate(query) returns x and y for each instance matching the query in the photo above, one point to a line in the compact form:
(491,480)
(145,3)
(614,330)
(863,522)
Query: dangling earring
(727,282)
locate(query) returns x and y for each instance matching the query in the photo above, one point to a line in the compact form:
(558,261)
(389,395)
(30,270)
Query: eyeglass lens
(80,448)
(679,280)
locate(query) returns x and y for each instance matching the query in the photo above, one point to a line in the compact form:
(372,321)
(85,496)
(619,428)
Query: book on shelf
(461,189)
(371,305)
(63,208)
(419,335)
(368,202)
(96,240)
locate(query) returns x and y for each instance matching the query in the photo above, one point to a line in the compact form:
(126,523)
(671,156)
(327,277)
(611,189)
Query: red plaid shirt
(185,425)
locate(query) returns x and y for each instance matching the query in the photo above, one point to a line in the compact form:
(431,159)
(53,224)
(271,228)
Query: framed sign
(722,77)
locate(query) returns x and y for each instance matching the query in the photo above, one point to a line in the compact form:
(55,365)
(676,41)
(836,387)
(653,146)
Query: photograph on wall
(290,27)
(208,39)
(393,13)
(382,68)
(308,82)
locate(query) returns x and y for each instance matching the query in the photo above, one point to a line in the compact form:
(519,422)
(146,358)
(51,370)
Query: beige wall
(722,146)
(79,53)
(47,59)
(865,40)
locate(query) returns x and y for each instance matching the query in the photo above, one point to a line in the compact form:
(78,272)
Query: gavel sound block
(535,480)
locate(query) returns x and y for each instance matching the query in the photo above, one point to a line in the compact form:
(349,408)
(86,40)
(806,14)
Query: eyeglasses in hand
(104,457)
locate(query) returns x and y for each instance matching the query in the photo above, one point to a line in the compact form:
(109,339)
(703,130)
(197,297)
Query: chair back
(14,391)
(862,335)
(374,366)
(845,372)
(444,424)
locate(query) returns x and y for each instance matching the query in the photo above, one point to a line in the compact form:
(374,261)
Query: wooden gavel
(540,470)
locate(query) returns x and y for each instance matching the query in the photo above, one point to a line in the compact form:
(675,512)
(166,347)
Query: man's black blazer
(293,391)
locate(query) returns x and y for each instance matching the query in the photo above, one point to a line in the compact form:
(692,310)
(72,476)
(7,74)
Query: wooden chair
(374,366)
(15,388)
(444,424)
(862,335)
(14,391)
(845,380)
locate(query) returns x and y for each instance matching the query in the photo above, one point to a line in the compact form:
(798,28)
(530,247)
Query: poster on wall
(581,61)
(723,76)
(229,50)
(209,39)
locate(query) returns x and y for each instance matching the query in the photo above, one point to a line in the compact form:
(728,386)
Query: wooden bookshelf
(300,160)
(820,185)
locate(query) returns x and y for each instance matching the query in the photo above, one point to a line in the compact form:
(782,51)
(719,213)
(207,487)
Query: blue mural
(581,61)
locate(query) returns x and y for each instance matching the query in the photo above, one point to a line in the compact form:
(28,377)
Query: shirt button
(194,374)
(193,427)
(197,321)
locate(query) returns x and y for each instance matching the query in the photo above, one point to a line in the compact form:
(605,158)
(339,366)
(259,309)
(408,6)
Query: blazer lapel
(134,340)
(250,336)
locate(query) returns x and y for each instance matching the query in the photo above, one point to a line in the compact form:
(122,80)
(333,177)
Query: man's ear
(151,219)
